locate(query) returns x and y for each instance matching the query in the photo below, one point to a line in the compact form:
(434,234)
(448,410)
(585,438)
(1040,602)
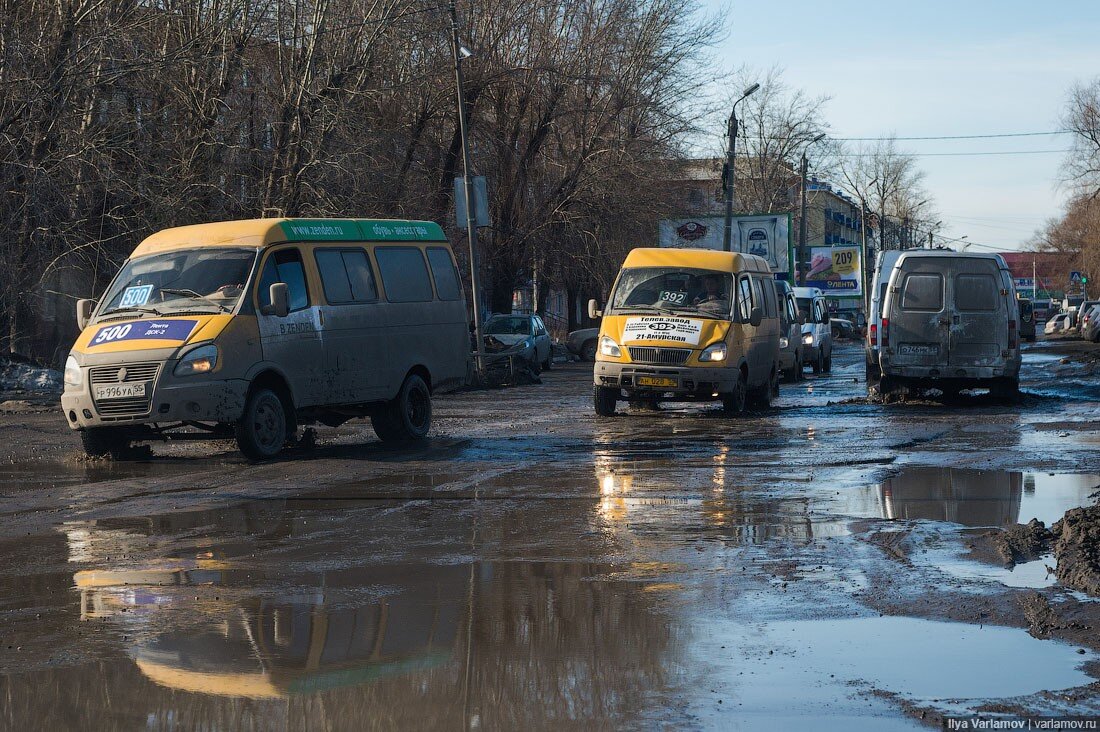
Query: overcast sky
(939,67)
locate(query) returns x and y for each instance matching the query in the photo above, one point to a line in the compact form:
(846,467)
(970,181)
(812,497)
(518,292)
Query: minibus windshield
(699,292)
(187,280)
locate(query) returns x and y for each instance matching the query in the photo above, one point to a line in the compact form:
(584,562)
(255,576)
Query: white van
(884,265)
(817,336)
(950,321)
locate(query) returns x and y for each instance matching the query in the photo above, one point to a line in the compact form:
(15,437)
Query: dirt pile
(1015,545)
(1077,549)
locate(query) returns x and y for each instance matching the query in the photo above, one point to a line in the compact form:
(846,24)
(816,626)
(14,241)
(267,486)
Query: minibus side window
(443,270)
(346,275)
(285,266)
(404,274)
(757,294)
(744,298)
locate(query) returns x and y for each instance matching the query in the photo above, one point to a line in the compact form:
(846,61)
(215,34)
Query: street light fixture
(731,132)
(802,212)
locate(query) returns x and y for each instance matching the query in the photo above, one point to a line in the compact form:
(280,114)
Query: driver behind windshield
(713,296)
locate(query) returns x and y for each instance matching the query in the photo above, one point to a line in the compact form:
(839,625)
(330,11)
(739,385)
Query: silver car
(952,323)
(525,335)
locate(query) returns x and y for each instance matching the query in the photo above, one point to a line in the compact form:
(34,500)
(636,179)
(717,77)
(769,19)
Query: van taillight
(872,333)
(885,331)
(1012,340)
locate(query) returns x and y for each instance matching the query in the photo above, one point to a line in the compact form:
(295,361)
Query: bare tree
(887,182)
(1082,117)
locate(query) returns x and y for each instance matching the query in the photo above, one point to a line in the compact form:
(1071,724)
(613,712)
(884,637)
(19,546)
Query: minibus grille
(660,356)
(130,372)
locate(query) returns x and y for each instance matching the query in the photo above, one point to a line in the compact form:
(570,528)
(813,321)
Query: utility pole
(929,238)
(731,132)
(863,254)
(459,52)
(802,267)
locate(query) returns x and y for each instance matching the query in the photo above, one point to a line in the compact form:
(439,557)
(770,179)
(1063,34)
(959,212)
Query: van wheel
(262,430)
(819,363)
(604,399)
(734,402)
(104,441)
(827,363)
(872,373)
(408,416)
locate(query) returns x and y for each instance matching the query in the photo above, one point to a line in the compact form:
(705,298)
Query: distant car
(1083,312)
(1027,320)
(790,333)
(582,343)
(1057,324)
(817,338)
(1091,329)
(526,335)
(843,328)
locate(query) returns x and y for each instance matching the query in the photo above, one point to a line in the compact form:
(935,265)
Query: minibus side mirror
(279,298)
(84,310)
(756,316)
(825,319)
(594,309)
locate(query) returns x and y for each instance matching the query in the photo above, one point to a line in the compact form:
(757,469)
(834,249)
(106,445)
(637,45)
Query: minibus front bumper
(165,398)
(684,382)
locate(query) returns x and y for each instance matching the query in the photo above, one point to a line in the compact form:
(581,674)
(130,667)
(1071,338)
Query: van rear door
(920,324)
(979,322)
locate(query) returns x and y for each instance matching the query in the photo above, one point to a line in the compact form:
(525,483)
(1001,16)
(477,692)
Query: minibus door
(292,343)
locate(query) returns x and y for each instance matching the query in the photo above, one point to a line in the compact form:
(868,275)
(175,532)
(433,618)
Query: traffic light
(1084,279)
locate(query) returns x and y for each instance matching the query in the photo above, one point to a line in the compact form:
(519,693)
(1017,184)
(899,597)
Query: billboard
(838,271)
(766,235)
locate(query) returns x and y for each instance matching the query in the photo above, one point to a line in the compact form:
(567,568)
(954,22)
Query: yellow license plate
(656,381)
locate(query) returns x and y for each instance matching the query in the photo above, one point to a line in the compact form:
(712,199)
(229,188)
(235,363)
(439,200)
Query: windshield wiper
(196,296)
(133,309)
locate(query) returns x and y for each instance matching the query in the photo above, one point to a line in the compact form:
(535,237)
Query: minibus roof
(267,232)
(696,259)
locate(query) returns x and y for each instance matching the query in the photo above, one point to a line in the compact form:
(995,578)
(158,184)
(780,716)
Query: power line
(953,137)
(961,154)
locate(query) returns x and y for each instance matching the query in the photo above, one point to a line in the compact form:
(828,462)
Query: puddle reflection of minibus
(254,328)
(689,324)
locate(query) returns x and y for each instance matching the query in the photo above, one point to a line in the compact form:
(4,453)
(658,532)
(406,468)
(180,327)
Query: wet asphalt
(532,566)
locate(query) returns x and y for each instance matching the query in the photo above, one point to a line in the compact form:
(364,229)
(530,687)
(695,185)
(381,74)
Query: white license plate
(120,391)
(919,349)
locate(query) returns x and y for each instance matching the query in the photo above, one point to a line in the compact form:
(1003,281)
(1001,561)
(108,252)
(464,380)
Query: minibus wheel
(604,399)
(408,416)
(104,441)
(734,401)
(262,430)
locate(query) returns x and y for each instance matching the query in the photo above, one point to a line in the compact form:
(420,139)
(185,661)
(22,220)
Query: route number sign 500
(113,334)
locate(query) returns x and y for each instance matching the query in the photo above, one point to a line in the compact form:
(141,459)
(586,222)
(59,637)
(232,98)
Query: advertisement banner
(766,235)
(837,271)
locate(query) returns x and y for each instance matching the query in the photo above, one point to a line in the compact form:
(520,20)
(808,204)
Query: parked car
(1042,310)
(1027,320)
(582,343)
(253,328)
(525,335)
(790,333)
(688,325)
(883,267)
(1057,325)
(951,322)
(843,328)
(1083,312)
(817,337)
(1091,331)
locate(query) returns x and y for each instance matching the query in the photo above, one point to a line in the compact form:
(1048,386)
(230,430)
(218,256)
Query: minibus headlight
(73,375)
(714,352)
(609,347)
(807,339)
(202,360)
(783,342)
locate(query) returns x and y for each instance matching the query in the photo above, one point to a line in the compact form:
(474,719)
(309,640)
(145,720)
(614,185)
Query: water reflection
(260,615)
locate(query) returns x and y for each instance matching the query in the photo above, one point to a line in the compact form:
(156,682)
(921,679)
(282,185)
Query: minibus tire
(827,364)
(819,362)
(408,416)
(104,441)
(262,429)
(733,402)
(604,399)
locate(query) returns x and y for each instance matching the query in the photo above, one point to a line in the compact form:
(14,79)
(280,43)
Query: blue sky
(938,68)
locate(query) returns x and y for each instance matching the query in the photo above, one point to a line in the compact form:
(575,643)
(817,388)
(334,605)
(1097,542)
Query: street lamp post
(931,231)
(460,52)
(802,213)
(731,131)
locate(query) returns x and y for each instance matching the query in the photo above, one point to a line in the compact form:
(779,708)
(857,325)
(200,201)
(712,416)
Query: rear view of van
(950,321)
(883,268)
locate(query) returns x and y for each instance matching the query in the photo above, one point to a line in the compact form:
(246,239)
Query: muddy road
(829,563)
